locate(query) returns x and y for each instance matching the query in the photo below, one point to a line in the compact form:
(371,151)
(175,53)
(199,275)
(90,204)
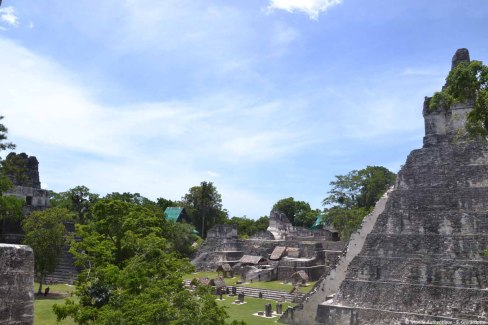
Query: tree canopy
(354,195)
(298,212)
(468,81)
(203,204)
(247,227)
(132,273)
(78,200)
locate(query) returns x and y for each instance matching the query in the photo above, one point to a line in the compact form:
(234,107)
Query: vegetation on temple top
(466,82)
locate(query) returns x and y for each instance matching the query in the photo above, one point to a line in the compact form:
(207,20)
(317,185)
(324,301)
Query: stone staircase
(266,293)
(66,271)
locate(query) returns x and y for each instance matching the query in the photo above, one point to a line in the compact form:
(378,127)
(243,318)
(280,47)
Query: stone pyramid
(422,261)
(417,259)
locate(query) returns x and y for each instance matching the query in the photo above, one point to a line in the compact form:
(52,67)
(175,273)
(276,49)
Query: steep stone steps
(329,313)
(423,271)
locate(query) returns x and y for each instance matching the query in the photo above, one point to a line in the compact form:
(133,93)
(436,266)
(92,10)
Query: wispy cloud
(8,16)
(161,148)
(312,8)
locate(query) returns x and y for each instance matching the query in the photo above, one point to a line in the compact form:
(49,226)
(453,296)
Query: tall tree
(360,188)
(354,195)
(45,233)
(204,205)
(468,81)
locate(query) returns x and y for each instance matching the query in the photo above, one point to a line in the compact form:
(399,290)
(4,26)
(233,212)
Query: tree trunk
(41,279)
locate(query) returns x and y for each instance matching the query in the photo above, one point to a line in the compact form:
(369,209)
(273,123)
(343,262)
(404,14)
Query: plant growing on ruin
(466,82)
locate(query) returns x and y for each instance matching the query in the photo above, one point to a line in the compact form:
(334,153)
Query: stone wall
(16,285)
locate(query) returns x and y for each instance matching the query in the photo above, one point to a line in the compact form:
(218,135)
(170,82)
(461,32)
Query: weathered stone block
(16,284)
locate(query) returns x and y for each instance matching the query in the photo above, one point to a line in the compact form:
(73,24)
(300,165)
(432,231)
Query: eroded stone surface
(16,285)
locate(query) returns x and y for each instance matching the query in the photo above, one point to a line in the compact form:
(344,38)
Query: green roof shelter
(319,222)
(176,214)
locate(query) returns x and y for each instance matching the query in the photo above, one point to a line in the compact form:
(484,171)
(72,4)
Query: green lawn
(245,311)
(43,308)
(43,313)
(271,285)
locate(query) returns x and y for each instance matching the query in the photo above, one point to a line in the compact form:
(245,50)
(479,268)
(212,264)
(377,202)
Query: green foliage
(298,212)
(346,220)
(45,233)
(354,195)
(360,188)
(468,81)
(247,227)
(132,273)
(204,206)
(10,207)
(3,137)
(78,200)
(163,203)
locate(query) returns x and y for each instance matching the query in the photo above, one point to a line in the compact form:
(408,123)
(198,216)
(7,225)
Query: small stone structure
(226,270)
(299,278)
(16,285)
(279,308)
(268,310)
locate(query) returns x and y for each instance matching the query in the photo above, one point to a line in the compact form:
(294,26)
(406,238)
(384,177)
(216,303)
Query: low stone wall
(16,285)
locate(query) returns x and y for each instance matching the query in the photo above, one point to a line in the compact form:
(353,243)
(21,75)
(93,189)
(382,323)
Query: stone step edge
(476,317)
(415,285)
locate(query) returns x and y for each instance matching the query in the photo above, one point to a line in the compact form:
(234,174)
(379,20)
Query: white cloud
(422,72)
(158,148)
(212,174)
(7,15)
(312,8)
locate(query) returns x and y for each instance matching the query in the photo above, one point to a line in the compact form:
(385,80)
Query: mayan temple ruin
(418,256)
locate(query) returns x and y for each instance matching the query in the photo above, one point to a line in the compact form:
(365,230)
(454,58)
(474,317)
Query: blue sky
(267,99)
